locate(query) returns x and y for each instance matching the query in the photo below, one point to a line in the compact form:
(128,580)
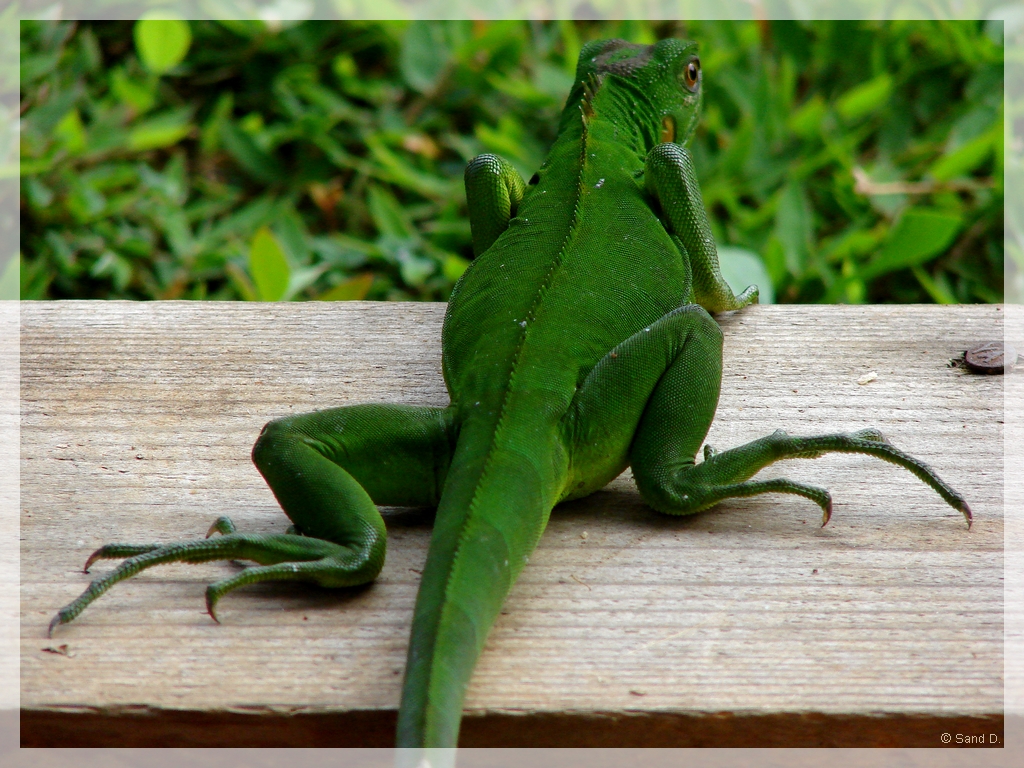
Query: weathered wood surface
(746,625)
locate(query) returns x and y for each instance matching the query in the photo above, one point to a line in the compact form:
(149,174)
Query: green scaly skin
(578,343)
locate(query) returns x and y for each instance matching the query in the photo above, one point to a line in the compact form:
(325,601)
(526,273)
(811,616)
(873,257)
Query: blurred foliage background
(839,161)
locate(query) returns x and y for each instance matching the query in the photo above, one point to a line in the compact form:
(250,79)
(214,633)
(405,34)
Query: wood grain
(745,625)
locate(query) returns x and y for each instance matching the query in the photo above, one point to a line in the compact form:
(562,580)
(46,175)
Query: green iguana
(578,343)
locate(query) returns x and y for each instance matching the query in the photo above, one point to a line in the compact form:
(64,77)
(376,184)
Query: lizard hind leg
(328,470)
(669,374)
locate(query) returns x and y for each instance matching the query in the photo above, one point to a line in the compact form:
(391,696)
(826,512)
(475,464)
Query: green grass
(841,161)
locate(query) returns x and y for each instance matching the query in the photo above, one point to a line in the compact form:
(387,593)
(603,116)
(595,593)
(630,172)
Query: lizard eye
(691,75)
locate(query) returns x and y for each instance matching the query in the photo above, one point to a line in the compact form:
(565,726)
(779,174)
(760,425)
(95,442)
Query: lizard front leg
(494,190)
(671,179)
(328,470)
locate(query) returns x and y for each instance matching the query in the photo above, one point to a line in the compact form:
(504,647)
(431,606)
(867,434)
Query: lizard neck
(614,109)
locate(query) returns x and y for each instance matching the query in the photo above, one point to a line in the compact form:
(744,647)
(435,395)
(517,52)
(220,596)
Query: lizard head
(665,76)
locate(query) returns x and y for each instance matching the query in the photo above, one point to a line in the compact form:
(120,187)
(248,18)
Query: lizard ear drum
(668,129)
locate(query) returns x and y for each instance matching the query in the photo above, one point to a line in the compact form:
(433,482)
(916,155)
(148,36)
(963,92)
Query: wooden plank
(746,625)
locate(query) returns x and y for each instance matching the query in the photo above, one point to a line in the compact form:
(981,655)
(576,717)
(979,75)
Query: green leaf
(245,28)
(163,130)
(805,122)
(962,161)
(865,98)
(853,242)
(209,137)
(139,96)
(919,235)
(38,194)
(113,266)
(244,220)
(394,169)
(346,253)
(268,266)
(292,235)
(303,277)
(453,266)
(939,292)
(793,226)
(84,201)
(414,269)
(240,282)
(511,140)
(353,289)
(261,165)
(29,167)
(162,43)
(38,65)
(331,104)
(388,215)
(177,231)
(774,257)
(10,278)
(427,51)
(741,268)
(552,81)
(71,132)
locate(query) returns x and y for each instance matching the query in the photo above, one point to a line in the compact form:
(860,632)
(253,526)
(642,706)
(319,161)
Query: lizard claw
(92,559)
(222,525)
(826,512)
(211,602)
(962,506)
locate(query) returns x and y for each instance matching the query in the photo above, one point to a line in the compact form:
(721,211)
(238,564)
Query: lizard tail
(495,505)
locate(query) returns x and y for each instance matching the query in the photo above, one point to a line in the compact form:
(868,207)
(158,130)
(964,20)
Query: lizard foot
(281,557)
(873,443)
(723,474)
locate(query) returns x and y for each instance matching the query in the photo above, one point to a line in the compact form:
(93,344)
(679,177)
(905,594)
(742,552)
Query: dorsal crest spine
(590,86)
